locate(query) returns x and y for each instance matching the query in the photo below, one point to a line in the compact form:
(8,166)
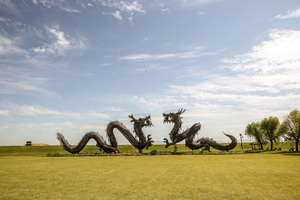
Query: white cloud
(27,110)
(190,3)
(272,64)
(61,42)
(128,7)
(266,78)
(4,112)
(278,53)
(60,4)
(9,46)
(14,80)
(148,39)
(9,5)
(30,110)
(90,5)
(263,82)
(195,52)
(201,13)
(165,10)
(97,115)
(114,109)
(289,15)
(117,15)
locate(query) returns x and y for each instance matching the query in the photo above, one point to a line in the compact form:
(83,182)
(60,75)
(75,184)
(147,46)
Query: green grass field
(26,174)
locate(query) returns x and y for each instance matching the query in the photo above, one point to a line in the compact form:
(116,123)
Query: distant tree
(270,128)
(290,127)
(253,130)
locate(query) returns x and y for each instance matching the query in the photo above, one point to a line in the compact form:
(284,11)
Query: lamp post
(241,136)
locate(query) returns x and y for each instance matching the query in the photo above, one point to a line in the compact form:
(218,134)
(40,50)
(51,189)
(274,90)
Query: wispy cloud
(127,7)
(289,15)
(187,3)
(9,5)
(17,80)
(165,10)
(267,75)
(32,110)
(60,4)
(29,110)
(262,82)
(9,45)
(60,42)
(273,63)
(115,14)
(148,39)
(4,112)
(97,115)
(201,13)
(195,52)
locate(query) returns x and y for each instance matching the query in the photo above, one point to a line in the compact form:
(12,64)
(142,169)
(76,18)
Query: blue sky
(74,66)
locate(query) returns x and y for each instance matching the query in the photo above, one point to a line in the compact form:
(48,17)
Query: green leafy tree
(290,127)
(253,130)
(270,128)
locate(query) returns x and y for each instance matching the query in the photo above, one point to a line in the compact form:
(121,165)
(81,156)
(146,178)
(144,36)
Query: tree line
(271,130)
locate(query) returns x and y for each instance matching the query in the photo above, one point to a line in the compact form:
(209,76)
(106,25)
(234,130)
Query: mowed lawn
(273,175)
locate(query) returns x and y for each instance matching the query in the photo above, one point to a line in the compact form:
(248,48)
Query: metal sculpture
(206,143)
(141,143)
(175,136)
(190,134)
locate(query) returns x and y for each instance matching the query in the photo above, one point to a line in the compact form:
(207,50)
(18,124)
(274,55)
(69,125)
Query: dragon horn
(180,111)
(131,116)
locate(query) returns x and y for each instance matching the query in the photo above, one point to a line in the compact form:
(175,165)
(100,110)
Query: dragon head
(141,122)
(174,117)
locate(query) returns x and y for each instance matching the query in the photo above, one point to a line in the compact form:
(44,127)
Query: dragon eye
(148,121)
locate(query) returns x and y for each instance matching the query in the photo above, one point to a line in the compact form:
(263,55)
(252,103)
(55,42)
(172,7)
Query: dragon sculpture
(206,143)
(141,143)
(175,136)
(190,133)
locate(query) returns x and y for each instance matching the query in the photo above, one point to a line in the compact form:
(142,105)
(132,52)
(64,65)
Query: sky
(73,66)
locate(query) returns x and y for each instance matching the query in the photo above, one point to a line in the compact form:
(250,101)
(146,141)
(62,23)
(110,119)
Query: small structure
(253,145)
(29,143)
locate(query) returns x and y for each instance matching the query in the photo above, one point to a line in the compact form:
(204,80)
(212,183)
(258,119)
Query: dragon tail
(220,147)
(90,135)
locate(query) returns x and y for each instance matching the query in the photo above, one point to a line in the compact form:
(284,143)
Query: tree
(252,130)
(290,127)
(270,128)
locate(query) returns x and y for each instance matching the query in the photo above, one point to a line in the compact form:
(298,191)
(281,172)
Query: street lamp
(241,136)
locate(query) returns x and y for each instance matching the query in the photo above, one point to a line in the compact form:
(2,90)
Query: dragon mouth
(168,121)
(148,125)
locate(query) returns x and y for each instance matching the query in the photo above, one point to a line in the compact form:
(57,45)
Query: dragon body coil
(141,143)
(189,134)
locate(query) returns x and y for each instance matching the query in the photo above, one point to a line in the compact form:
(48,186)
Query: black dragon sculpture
(138,124)
(206,143)
(175,136)
(189,134)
